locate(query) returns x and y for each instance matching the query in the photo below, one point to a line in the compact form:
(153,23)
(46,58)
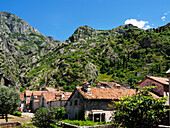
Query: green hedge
(84,123)
(16,113)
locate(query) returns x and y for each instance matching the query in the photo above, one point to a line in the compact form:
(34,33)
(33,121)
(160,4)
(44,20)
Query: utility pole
(168,75)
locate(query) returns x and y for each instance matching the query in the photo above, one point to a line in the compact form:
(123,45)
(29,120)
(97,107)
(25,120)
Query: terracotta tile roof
(35,93)
(66,95)
(109,84)
(28,93)
(53,96)
(106,93)
(154,95)
(49,96)
(161,80)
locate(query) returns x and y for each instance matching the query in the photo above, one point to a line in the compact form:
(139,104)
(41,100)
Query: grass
(104,77)
(84,123)
(22,119)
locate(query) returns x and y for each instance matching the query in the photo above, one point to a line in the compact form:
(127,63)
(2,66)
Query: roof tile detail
(106,93)
(162,80)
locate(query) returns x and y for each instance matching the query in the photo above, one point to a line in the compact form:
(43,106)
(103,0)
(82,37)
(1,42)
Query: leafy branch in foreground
(140,110)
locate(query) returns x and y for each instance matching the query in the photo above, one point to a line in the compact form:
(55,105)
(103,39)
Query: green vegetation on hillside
(124,54)
(124,58)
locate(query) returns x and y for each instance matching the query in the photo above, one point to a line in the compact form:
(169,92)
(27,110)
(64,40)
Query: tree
(9,100)
(46,117)
(43,117)
(59,113)
(140,110)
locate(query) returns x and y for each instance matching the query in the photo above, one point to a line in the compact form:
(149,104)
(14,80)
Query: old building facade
(49,97)
(92,103)
(162,85)
(31,100)
(54,99)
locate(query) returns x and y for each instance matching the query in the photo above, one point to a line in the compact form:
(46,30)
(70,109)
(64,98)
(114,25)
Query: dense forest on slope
(124,54)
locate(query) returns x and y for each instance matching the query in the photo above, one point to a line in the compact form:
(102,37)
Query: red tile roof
(49,96)
(35,93)
(52,96)
(154,95)
(66,95)
(161,80)
(106,93)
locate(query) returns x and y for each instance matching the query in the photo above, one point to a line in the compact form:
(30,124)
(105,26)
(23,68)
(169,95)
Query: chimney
(87,87)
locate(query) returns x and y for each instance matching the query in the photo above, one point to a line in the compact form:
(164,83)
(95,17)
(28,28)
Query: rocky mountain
(124,54)
(20,46)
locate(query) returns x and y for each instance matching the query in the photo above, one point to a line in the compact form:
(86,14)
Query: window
(75,102)
(153,85)
(69,103)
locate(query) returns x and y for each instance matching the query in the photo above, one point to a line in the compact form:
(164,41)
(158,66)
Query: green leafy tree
(9,100)
(43,118)
(58,113)
(46,117)
(140,110)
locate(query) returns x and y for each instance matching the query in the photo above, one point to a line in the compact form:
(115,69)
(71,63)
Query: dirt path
(22,119)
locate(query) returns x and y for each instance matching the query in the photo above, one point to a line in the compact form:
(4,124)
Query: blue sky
(60,18)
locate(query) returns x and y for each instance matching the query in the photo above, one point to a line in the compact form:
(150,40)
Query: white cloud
(147,27)
(163,18)
(166,13)
(139,24)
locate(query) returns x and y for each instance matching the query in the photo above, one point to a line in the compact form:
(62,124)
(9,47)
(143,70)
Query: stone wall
(79,108)
(108,114)
(75,107)
(99,107)
(35,106)
(158,90)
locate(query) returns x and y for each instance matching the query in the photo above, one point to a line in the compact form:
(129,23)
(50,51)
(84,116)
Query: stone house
(162,85)
(54,99)
(31,99)
(92,102)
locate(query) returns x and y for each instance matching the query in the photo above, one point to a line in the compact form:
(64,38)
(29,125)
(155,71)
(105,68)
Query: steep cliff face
(10,23)
(20,45)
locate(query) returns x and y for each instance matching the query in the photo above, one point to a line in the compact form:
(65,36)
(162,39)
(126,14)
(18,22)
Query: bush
(16,113)
(43,118)
(46,118)
(58,113)
(140,110)
(85,123)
